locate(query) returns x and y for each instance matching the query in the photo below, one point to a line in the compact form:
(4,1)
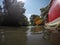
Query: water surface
(31,35)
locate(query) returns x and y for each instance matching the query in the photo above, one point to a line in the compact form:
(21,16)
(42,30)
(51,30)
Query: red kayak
(54,13)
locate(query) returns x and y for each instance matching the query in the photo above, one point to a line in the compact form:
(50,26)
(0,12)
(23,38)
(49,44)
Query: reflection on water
(31,35)
(53,36)
(13,36)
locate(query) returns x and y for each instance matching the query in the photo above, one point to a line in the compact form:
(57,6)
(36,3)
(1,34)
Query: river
(31,35)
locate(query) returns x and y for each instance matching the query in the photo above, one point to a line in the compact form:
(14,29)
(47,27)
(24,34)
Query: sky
(33,6)
(1,3)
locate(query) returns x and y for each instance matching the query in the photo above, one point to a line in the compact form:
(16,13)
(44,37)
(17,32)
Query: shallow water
(31,35)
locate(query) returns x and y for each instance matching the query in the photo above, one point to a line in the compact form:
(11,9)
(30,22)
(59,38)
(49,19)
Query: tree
(23,21)
(1,15)
(44,13)
(32,19)
(38,21)
(15,13)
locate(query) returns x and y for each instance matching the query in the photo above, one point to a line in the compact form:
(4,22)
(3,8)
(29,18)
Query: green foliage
(23,21)
(42,9)
(45,10)
(15,15)
(44,13)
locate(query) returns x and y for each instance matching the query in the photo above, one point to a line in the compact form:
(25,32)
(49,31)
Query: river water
(31,35)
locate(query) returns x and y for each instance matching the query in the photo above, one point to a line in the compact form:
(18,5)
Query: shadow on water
(31,35)
(35,36)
